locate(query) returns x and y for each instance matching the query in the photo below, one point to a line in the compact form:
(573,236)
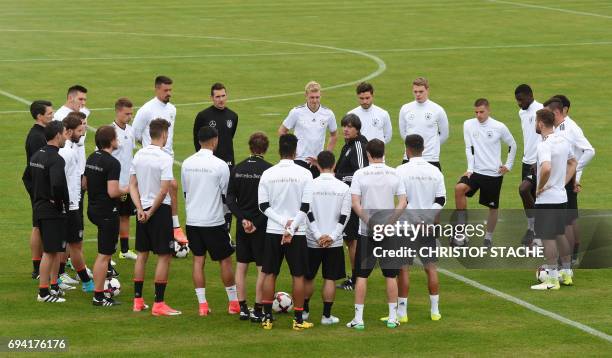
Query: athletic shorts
(126,206)
(351,230)
(296,254)
(250,247)
(550,220)
(529,173)
(53,234)
(435,164)
(212,239)
(490,188)
(424,249)
(157,233)
(332,260)
(108,232)
(365,261)
(74,233)
(572,203)
(313,168)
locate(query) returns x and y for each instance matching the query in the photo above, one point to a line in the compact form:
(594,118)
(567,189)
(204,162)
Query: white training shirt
(285,187)
(71,154)
(309,127)
(429,120)
(204,178)
(483,146)
(422,182)
(125,152)
(378,185)
(375,123)
(331,198)
(581,147)
(151,165)
(556,150)
(59,115)
(530,137)
(149,111)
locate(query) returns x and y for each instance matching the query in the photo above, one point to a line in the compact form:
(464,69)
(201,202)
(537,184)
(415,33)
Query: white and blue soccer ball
(282,302)
(180,251)
(112,287)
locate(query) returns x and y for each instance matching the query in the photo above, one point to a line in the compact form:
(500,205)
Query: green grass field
(265,51)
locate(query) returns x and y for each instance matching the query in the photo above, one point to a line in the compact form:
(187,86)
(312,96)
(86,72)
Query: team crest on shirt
(322,123)
(489,134)
(230,124)
(428,116)
(375,122)
(212,124)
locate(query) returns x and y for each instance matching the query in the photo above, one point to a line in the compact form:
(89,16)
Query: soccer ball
(180,251)
(541,274)
(112,287)
(282,302)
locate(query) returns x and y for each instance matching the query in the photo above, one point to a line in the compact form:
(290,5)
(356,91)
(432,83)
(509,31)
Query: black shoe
(528,238)
(35,275)
(346,285)
(112,273)
(105,302)
(244,315)
(256,317)
(487,243)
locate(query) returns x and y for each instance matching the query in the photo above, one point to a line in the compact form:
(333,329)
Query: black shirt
(49,188)
(242,191)
(101,167)
(352,157)
(34,141)
(226,122)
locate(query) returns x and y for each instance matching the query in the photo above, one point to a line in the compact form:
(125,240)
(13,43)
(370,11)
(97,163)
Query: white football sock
(201,294)
(175,221)
(434,299)
(359,313)
(531,224)
(489,236)
(231,293)
(393,311)
(402,306)
(553,273)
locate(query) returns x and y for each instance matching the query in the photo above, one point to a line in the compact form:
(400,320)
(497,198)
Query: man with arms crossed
(205,178)
(483,136)
(251,225)
(425,118)
(160,107)
(374,188)
(556,167)
(150,181)
(309,123)
(284,196)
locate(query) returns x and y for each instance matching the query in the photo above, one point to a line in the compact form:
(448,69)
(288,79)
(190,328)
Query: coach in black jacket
(352,157)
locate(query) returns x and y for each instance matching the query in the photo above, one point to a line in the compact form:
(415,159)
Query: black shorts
(550,220)
(424,249)
(126,206)
(157,233)
(490,188)
(529,173)
(296,254)
(34,221)
(53,234)
(108,232)
(313,168)
(365,261)
(74,233)
(250,247)
(435,164)
(332,260)
(351,230)
(214,239)
(572,203)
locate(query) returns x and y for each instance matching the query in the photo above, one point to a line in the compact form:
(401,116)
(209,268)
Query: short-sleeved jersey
(310,127)
(151,165)
(530,137)
(125,152)
(422,182)
(73,172)
(556,150)
(101,167)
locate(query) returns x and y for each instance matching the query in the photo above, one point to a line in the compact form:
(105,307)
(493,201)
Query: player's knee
(525,188)
(461,189)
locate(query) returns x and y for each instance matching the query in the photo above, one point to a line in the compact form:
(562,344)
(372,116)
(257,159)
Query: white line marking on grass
(270,114)
(527,305)
(492,47)
(16,98)
(532,6)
